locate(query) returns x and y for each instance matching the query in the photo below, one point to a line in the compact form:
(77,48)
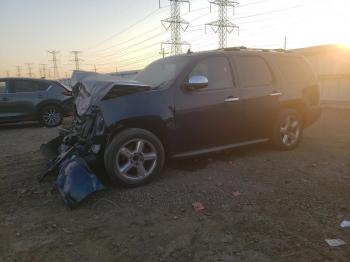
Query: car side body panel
(197,122)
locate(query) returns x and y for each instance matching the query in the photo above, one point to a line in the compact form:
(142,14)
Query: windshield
(162,71)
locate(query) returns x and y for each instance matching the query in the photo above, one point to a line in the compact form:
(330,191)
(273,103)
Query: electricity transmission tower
(175,23)
(222,25)
(95,69)
(7,73)
(18,71)
(76,58)
(43,70)
(30,73)
(54,63)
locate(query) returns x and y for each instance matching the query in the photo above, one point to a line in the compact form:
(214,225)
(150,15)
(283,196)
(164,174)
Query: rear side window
(295,70)
(217,70)
(25,86)
(3,87)
(253,71)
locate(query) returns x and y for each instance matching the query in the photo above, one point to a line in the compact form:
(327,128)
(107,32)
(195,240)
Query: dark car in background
(23,99)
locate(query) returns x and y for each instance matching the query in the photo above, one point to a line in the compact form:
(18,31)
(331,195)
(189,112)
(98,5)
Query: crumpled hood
(94,87)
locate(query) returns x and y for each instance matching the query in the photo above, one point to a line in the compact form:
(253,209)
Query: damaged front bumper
(75,152)
(76,181)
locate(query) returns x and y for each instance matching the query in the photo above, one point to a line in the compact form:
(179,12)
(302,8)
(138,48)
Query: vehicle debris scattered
(335,242)
(345,224)
(198,207)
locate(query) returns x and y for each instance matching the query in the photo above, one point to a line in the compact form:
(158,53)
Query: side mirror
(197,82)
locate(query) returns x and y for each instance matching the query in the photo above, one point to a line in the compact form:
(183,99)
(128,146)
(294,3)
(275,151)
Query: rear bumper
(312,115)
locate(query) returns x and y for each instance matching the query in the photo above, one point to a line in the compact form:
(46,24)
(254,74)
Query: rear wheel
(134,157)
(288,130)
(51,115)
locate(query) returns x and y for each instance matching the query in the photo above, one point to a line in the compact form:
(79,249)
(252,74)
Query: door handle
(275,93)
(232,99)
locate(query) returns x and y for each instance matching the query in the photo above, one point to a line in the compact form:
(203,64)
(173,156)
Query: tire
(134,157)
(288,130)
(50,115)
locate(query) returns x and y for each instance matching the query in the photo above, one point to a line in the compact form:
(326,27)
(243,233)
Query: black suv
(34,99)
(192,104)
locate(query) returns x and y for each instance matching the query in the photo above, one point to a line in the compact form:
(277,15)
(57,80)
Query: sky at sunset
(124,35)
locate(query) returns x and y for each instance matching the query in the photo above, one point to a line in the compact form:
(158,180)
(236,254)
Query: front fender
(153,111)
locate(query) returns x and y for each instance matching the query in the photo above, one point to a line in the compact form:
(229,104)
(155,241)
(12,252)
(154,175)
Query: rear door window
(295,70)
(28,86)
(254,71)
(217,70)
(3,87)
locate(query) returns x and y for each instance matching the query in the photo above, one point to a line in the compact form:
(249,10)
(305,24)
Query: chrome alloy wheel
(290,131)
(136,159)
(51,116)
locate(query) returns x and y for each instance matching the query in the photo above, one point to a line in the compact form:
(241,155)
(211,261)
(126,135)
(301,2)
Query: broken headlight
(99,125)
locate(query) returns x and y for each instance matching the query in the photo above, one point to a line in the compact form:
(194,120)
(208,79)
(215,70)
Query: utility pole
(222,25)
(285,43)
(30,73)
(18,71)
(54,63)
(76,58)
(163,53)
(43,70)
(95,69)
(175,23)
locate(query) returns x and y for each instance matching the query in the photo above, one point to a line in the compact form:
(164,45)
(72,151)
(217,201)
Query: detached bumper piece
(76,181)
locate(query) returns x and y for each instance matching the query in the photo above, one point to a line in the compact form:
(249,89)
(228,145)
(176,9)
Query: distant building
(332,65)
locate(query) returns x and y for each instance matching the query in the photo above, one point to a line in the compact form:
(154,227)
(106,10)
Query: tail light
(67,93)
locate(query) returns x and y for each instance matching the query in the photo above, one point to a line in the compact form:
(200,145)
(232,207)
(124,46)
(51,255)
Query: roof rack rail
(238,48)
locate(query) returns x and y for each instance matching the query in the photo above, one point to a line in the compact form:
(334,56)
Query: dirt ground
(260,205)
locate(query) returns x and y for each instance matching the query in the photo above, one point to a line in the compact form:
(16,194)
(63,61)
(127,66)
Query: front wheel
(288,130)
(134,157)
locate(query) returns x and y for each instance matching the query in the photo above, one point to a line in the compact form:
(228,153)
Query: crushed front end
(79,148)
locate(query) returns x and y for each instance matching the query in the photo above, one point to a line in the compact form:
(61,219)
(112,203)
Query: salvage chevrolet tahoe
(192,104)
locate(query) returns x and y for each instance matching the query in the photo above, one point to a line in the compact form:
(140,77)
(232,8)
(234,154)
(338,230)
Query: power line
(54,63)
(127,40)
(127,28)
(176,24)
(223,25)
(135,44)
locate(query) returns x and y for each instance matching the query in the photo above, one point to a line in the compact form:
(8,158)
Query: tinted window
(29,86)
(3,87)
(295,70)
(253,71)
(217,70)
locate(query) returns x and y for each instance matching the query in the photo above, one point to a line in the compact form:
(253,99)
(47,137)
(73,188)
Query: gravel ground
(260,205)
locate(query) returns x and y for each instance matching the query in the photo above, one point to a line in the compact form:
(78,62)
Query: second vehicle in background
(23,99)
